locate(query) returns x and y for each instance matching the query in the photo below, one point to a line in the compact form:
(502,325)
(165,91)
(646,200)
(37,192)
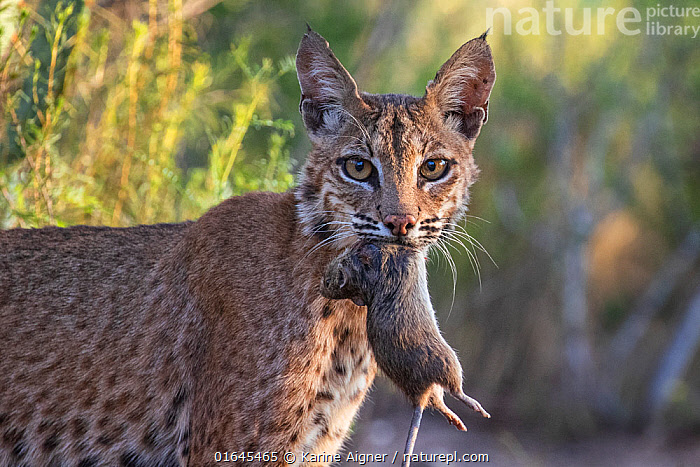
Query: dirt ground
(378,431)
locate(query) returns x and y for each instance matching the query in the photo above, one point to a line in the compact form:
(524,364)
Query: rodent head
(354,274)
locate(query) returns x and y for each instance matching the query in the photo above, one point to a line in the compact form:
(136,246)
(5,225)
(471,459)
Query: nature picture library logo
(659,20)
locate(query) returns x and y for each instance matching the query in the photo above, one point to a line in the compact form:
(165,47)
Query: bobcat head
(389,167)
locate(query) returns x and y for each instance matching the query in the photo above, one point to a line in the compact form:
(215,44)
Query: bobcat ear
(327,89)
(462,86)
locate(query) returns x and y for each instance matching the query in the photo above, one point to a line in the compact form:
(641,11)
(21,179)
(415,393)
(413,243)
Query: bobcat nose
(399,223)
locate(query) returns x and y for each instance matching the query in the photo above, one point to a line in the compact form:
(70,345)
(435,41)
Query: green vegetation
(102,142)
(153,111)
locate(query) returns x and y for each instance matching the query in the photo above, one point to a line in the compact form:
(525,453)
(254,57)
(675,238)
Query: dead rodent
(401,327)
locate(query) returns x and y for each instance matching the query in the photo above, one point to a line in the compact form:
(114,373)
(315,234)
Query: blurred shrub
(105,146)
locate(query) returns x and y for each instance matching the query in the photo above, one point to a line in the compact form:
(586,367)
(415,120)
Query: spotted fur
(161,345)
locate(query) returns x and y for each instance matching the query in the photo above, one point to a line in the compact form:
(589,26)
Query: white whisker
(471,254)
(463,232)
(453,270)
(339,235)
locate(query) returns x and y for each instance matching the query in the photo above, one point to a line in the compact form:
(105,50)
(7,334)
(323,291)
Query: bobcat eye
(359,169)
(433,169)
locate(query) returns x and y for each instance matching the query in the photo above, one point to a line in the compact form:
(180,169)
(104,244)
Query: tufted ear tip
(462,87)
(327,89)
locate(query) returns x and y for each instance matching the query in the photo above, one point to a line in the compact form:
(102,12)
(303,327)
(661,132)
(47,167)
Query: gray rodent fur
(401,327)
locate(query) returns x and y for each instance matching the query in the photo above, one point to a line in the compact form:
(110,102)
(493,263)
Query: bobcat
(162,345)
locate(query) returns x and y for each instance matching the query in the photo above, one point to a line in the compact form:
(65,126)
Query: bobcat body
(162,345)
